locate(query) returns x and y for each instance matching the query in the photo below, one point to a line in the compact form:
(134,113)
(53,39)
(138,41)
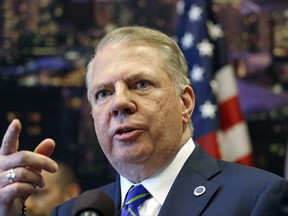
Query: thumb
(10,142)
(46,147)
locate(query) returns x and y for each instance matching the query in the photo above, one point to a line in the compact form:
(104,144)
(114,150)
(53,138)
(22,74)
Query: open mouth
(126,130)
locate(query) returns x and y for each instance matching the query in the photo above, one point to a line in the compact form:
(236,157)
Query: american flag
(218,121)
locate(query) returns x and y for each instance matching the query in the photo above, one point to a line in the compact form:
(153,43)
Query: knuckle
(22,157)
(21,174)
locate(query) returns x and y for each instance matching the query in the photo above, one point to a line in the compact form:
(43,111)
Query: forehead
(118,58)
(132,49)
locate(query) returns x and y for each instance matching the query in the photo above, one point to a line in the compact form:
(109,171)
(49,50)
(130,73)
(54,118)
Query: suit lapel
(197,171)
(116,193)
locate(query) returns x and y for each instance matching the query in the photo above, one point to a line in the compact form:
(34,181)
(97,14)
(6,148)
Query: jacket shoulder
(67,207)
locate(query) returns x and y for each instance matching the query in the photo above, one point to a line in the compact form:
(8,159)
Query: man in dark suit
(141,103)
(231,190)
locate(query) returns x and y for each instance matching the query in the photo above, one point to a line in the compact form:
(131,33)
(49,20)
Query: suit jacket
(231,190)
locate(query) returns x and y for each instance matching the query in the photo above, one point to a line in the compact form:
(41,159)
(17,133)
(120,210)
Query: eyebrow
(99,86)
(138,75)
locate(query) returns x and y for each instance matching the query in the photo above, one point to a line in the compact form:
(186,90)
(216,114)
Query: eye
(142,84)
(102,94)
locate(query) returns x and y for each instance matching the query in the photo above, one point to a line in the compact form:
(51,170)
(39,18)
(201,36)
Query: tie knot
(137,195)
(135,198)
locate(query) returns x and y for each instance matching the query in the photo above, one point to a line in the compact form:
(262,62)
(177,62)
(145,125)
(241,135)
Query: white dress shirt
(159,183)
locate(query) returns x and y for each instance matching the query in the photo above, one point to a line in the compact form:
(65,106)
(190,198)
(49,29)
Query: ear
(188,100)
(72,190)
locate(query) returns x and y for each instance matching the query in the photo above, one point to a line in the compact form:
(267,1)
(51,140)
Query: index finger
(10,140)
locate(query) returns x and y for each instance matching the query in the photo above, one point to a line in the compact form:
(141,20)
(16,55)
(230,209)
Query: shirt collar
(160,183)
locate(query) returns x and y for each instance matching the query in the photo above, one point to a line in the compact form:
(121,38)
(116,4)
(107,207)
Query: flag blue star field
(219,126)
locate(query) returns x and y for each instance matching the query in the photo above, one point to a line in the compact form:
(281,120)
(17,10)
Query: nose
(122,102)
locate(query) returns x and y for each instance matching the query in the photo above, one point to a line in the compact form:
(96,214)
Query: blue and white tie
(136,196)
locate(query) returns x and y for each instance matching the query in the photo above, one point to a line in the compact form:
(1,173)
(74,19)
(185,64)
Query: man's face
(44,200)
(137,112)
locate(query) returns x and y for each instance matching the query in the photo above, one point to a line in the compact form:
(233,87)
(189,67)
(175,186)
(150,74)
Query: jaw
(136,171)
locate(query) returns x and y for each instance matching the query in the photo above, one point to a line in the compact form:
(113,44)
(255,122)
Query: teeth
(125,130)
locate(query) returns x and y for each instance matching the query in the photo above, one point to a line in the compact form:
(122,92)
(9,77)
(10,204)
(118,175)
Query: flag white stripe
(226,87)
(234,143)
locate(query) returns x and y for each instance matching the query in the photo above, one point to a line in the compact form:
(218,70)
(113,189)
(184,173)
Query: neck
(137,173)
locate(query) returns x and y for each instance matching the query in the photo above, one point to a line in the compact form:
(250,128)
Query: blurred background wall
(46,44)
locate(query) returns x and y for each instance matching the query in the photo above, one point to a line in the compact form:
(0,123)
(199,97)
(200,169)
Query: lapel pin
(199,191)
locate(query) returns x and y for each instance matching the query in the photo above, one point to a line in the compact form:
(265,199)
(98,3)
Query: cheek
(101,131)
(101,128)
(100,122)
(165,114)
(169,107)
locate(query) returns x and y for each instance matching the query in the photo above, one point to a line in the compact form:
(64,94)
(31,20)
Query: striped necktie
(135,198)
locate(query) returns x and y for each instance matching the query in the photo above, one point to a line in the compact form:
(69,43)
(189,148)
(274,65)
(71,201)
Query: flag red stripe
(246,160)
(209,143)
(230,113)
